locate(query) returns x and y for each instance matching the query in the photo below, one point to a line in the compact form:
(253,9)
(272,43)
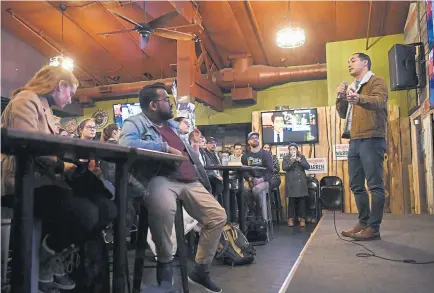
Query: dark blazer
(268,136)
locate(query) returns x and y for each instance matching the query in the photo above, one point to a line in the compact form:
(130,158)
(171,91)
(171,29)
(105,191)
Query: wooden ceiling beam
(192,16)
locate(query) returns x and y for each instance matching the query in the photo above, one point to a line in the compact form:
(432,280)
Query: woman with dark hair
(111,133)
(67,218)
(295,165)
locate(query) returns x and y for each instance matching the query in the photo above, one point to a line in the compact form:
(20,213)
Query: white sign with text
(341,152)
(317,165)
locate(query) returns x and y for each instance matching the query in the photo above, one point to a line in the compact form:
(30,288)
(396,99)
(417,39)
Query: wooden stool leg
(141,244)
(179,228)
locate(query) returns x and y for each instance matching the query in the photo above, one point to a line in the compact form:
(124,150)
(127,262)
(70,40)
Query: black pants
(69,218)
(297,207)
(217,189)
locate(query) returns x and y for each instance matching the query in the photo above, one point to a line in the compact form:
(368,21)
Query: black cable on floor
(370,253)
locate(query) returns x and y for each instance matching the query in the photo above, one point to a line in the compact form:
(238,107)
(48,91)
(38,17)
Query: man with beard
(214,176)
(152,129)
(258,180)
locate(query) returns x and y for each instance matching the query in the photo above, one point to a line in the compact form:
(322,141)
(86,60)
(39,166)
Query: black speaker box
(402,67)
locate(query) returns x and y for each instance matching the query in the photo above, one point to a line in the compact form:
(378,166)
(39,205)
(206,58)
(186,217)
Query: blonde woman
(67,218)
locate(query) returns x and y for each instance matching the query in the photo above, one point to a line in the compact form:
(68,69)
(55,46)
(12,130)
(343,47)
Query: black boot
(165,274)
(200,276)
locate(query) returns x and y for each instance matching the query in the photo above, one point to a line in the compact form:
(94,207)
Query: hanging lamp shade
(290,37)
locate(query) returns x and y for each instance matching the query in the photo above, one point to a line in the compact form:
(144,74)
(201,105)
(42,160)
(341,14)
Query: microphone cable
(371,253)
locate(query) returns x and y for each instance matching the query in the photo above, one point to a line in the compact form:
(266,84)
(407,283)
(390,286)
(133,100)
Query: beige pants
(198,202)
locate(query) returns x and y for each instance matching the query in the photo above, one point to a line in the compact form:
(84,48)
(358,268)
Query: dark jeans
(68,218)
(300,204)
(365,162)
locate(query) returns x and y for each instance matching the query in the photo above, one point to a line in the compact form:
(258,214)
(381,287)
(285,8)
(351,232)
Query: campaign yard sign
(341,152)
(317,165)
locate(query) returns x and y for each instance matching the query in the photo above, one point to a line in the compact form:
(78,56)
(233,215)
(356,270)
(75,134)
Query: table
(226,192)
(25,146)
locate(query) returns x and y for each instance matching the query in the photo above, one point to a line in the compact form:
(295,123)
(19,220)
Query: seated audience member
(275,180)
(258,180)
(87,130)
(194,139)
(63,132)
(152,129)
(215,176)
(67,218)
(184,126)
(295,165)
(234,159)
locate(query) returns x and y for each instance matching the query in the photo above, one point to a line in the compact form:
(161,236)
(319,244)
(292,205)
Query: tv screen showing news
(283,127)
(123,111)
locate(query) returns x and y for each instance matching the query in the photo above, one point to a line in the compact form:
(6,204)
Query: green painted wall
(294,94)
(338,53)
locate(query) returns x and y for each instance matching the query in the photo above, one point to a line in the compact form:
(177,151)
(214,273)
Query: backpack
(233,248)
(257,230)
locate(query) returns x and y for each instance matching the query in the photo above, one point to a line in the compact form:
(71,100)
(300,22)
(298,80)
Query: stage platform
(330,265)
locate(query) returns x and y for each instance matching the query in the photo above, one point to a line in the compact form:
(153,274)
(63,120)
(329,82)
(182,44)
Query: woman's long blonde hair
(47,79)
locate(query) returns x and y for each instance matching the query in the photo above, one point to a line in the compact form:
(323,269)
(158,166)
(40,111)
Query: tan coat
(370,114)
(27,111)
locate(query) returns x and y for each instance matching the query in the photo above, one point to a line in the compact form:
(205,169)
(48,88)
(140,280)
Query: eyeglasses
(167,100)
(90,127)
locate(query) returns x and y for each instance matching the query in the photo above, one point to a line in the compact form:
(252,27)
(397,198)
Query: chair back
(331,181)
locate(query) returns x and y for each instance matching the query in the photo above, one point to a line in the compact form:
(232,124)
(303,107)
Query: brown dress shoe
(356,229)
(366,234)
(291,222)
(302,222)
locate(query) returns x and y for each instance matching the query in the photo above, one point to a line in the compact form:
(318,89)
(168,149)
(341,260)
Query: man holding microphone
(364,106)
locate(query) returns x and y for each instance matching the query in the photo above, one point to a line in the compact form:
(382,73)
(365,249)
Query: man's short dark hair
(149,93)
(236,144)
(277,114)
(364,57)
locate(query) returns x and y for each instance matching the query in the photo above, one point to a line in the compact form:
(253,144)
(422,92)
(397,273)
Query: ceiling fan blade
(117,32)
(163,20)
(126,19)
(172,34)
(144,40)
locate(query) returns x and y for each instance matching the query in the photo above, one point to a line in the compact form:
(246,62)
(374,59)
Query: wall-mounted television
(283,127)
(123,111)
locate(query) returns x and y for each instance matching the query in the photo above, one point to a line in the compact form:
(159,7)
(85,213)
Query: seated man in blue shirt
(152,129)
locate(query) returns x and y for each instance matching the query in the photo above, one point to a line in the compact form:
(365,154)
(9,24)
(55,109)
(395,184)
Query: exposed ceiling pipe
(117,90)
(244,74)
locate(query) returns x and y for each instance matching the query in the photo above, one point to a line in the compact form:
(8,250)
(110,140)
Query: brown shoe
(366,235)
(302,222)
(291,222)
(356,229)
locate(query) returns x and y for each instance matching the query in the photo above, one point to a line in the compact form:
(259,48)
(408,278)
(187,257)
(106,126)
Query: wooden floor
(266,275)
(330,265)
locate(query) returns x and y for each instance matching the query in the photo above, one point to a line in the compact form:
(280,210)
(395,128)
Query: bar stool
(276,204)
(7,224)
(142,234)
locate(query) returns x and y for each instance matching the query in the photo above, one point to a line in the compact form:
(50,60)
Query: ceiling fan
(155,26)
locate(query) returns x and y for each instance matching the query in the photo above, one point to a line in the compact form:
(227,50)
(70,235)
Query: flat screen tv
(123,111)
(283,127)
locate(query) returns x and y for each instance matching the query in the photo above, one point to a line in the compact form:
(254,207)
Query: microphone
(345,83)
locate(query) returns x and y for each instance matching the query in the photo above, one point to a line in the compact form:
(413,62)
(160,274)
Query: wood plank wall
(397,164)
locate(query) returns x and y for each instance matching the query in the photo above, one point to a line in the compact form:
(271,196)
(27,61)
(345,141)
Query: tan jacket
(29,112)
(370,113)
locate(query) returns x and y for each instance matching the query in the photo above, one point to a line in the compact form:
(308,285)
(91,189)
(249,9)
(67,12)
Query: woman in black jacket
(295,165)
